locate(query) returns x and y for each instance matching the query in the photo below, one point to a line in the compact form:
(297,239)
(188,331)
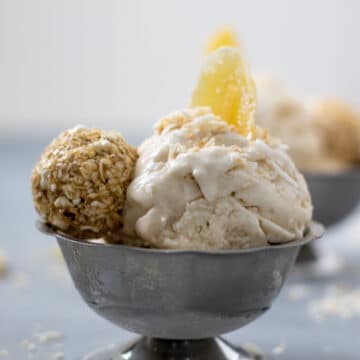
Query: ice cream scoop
(340,124)
(289,119)
(200,184)
(209,178)
(80,182)
(323,135)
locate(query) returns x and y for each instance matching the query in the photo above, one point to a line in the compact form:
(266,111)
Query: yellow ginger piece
(224,37)
(226,86)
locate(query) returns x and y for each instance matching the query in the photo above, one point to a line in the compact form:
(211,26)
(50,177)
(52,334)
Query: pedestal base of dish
(160,349)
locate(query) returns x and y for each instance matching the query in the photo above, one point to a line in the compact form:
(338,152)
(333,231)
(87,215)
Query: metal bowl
(334,196)
(178,294)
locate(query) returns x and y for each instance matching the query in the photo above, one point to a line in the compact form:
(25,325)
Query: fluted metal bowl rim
(314,231)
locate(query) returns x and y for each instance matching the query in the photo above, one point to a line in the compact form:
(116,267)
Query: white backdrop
(122,64)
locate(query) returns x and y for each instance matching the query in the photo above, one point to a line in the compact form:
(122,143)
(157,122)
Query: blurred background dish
(323,134)
(335,196)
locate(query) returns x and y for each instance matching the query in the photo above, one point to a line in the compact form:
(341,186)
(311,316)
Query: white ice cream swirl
(200,185)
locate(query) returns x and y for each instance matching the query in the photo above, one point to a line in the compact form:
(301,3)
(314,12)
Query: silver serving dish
(178,300)
(335,196)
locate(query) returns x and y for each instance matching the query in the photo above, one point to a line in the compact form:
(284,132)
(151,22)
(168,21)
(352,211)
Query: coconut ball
(340,124)
(79,184)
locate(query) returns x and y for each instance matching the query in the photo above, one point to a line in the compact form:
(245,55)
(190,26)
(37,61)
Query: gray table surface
(37,295)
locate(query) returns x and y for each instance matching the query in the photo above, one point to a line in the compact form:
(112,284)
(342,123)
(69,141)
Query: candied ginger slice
(223,37)
(226,86)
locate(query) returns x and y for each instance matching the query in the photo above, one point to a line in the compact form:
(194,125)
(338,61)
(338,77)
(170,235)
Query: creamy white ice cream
(296,123)
(201,185)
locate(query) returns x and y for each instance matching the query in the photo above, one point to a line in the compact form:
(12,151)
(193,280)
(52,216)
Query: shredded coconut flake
(58,356)
(255,351)
(279,349)
(20,280)
(337,302)
(29,346)
(4,353)
(49,336)
(298,293)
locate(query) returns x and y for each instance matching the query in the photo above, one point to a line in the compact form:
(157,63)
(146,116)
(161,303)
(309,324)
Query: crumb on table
(3,263)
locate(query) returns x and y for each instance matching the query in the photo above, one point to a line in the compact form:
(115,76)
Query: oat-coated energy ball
(79,184)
